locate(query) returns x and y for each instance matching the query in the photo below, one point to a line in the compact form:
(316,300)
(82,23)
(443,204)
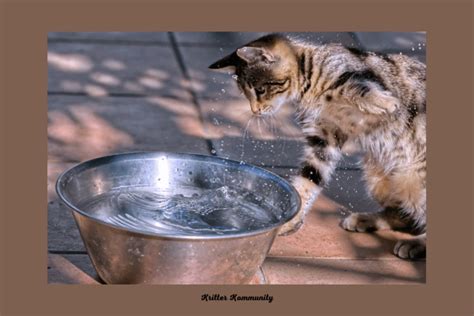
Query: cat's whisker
(273,124)
(267,122)
(258,126)
(245,135)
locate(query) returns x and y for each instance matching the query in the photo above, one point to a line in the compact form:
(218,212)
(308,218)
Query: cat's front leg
(308,192)
(321,156)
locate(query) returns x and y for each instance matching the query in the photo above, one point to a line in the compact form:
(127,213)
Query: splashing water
(220,211)
(245,134)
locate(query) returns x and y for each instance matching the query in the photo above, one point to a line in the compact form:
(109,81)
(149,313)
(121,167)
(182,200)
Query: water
(206,212)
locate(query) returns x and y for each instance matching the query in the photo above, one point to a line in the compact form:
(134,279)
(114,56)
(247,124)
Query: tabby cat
(345,95)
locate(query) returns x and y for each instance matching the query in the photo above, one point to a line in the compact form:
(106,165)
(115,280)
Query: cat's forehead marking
(256,75)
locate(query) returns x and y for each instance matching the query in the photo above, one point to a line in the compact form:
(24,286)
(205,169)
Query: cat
(342,95)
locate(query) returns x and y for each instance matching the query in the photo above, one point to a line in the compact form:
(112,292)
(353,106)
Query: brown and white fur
(345,95)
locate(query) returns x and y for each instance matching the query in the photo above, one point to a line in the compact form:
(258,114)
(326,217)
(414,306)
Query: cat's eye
(277,82)
(260,90)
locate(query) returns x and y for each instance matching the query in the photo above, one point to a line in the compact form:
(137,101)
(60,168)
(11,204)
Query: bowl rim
(199,157)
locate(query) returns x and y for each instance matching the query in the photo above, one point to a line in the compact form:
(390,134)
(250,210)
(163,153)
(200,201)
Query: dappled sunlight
(149,82)
(133,87)
(175,106)
(156,73)
(104,78)
(190,125)
(184,114)
(84,133)
(70,62)
(95,90)
(113,64)
(101,70)
(70,85)
(192,85)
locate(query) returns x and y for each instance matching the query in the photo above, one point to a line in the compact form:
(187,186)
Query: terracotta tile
(99,69)
(321,237)
(343,271)
(81,128)
(63,271)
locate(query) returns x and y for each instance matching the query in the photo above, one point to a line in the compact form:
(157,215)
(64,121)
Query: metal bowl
(136,247)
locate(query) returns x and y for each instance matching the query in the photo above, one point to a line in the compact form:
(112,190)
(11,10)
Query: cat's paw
(411,249)
(291,227)
(359,222)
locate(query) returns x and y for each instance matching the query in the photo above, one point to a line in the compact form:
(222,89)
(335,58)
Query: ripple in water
(220,211)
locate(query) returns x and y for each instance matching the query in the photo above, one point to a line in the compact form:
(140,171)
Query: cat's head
(266,71)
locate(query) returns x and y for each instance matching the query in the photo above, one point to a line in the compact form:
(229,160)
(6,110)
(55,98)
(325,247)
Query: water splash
(220,211)
(245,135)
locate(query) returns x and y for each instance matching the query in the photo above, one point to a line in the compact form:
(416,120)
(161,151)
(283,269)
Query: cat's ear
(227,64)
(255,54)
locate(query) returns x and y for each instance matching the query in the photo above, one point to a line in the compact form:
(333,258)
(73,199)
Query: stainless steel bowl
(128,249)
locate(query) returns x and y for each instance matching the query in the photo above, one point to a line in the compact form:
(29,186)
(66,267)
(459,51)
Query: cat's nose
(255,109)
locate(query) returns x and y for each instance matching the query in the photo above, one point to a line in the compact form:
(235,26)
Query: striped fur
(345,95)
